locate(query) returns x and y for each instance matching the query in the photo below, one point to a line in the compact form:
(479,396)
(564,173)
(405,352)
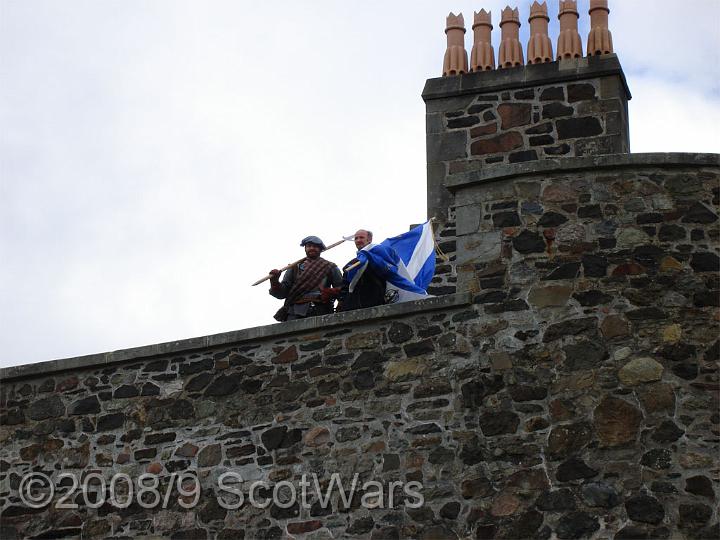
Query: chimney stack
(483,55)
(511,54)
(455,62)
(539,49)
(490,119)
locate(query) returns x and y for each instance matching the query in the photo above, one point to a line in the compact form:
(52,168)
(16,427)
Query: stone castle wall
(569,390)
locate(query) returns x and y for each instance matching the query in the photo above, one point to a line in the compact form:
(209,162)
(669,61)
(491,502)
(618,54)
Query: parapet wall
(569,390)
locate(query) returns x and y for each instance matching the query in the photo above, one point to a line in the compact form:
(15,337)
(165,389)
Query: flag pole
(259,281)
(437,246)
(352,266)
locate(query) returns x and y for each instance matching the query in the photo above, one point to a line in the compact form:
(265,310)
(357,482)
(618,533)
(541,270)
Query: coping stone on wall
(235,337)
(562,165)
(486,82)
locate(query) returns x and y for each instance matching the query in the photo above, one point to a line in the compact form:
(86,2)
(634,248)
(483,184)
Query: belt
(306,300)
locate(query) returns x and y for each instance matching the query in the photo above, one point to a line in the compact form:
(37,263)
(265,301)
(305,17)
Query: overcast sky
(157,157)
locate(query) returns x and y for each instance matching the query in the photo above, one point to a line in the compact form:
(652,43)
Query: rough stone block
(554,93)
(559,150)
(612,87)
(541,140)
(528,93)
(616,422)
(580,92)
(479,247)
(599,145)
(468,219)
(602,107)
(522,156)
(556,110)
(574,128)
(467,280)
(434,123)
(446,146)
(506,219)
(528,242)
(499,144)
(479,131)
(463,122)
(439,199)
(486,192)
(529,191)
(514,114)
(553,295)
(640,370)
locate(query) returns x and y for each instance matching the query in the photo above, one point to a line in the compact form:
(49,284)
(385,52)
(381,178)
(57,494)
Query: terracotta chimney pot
(599,38)
(569,44)
(539,48)
(482,57)
(511,54)
(455,61)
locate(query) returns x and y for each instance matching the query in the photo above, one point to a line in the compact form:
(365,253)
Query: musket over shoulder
(258,282)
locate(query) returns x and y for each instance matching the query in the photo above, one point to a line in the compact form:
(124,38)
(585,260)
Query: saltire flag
(406,262)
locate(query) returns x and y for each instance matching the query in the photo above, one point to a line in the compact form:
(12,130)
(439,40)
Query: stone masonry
(574,107)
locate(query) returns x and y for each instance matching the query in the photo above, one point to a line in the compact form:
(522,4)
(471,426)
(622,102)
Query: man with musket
(303,284)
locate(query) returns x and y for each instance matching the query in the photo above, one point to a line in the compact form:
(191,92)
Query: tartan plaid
(310,278)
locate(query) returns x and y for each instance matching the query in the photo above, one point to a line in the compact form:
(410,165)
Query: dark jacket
(369,290)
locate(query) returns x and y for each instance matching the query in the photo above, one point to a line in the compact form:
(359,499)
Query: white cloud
(672,117)
(678,43)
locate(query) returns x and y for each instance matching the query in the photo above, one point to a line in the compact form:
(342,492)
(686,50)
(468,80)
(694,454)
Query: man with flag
(369,288)
(406,262)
